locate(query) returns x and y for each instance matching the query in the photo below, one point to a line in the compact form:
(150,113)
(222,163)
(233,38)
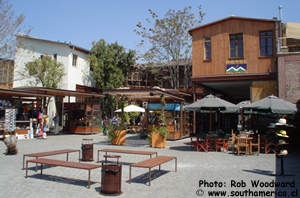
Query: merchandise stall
(24,104)
(81,116)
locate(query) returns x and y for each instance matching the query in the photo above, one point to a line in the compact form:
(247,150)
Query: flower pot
(120,139)
(158,141)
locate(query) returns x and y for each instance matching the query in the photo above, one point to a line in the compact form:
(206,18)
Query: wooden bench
(152,162)
(52,162)
(49,153)
(150,153)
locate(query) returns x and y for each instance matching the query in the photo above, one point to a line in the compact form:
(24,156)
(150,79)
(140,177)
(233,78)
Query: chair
(242,143)
(221,143)
(233,141)
(255,143)
(203,144)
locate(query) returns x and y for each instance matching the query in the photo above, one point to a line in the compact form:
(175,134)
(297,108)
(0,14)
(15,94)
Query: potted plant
(116,134)
(159,136)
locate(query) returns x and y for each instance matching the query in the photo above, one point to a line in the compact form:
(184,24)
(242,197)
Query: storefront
(82,117)
(26,106)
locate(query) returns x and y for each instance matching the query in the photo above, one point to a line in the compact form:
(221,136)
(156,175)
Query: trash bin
(87,148)
(111,175)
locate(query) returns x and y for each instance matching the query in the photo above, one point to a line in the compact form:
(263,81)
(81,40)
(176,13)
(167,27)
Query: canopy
(212,103)
(273,104)
(168,107)
(132,108)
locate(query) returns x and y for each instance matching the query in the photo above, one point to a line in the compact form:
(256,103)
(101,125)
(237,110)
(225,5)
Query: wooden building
(236,57)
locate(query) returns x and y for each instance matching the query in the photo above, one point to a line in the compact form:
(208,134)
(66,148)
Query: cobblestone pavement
(212,171)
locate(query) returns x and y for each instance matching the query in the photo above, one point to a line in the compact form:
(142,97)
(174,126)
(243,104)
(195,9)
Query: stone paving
(212,170)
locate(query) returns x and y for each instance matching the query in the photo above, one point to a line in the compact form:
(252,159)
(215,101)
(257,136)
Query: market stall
(81,116)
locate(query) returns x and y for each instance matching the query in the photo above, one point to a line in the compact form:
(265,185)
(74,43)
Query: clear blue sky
(85,21)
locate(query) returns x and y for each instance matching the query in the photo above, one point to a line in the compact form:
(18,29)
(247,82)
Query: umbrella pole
(210,119)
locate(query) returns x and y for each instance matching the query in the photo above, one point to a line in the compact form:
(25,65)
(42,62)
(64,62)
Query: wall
(31,49)
(262,89)
(220,47)
(289,76)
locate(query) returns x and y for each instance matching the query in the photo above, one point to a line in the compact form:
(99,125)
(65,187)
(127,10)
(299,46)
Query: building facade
(74,60)
(236,57)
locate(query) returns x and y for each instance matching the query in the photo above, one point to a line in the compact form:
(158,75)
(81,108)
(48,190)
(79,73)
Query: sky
(83,21)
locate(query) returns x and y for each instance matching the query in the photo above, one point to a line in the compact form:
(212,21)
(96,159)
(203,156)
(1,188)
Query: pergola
(153,94)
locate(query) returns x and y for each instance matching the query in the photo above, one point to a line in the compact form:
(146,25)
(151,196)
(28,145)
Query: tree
(169,40)
(44,71)
(9,26)
(110,64)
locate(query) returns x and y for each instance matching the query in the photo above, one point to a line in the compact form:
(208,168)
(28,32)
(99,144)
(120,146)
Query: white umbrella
(132,108)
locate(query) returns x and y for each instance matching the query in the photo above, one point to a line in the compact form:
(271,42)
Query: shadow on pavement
(64,180)
(144,178)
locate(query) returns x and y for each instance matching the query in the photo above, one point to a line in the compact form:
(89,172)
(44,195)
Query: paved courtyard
(198,173)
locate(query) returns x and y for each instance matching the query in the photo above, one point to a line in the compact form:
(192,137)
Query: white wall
(31,49)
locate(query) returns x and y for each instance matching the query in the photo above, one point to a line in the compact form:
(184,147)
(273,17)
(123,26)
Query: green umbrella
(272,104)
(211,103)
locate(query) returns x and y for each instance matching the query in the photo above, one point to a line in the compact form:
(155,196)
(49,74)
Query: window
(236,46)
(74,61)
(207,48)
(266,43)
(55,56)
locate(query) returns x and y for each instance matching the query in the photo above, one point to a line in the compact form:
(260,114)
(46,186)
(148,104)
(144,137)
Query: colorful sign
(236,67)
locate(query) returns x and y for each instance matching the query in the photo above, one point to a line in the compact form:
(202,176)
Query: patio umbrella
(211,103)
(273,104)
(132,108)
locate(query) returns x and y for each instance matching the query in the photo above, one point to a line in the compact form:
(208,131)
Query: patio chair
(203,144)
(255,143)
(233,141)
(242,143)
(222,143)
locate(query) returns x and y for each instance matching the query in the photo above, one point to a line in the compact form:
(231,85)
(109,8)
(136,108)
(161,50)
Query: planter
(120,139)
(158,141)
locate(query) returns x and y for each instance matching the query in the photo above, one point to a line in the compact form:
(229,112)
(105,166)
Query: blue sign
(168,107)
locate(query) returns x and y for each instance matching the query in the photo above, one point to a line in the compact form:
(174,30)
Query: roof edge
(228,18)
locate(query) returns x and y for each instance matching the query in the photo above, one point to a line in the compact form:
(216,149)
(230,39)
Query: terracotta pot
(158,141)
(120,139)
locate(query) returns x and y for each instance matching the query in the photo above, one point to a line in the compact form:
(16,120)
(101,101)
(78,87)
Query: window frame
(265,48)
(74,60)
(237,40)
(207,42)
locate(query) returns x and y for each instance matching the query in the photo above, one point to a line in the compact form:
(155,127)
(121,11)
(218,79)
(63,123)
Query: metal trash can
(87,148)
(111,175)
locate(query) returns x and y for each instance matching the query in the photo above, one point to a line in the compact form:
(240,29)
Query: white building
(73,58)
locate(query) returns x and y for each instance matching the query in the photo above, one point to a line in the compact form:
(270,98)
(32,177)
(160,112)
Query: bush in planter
(117,135)
(159,136)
